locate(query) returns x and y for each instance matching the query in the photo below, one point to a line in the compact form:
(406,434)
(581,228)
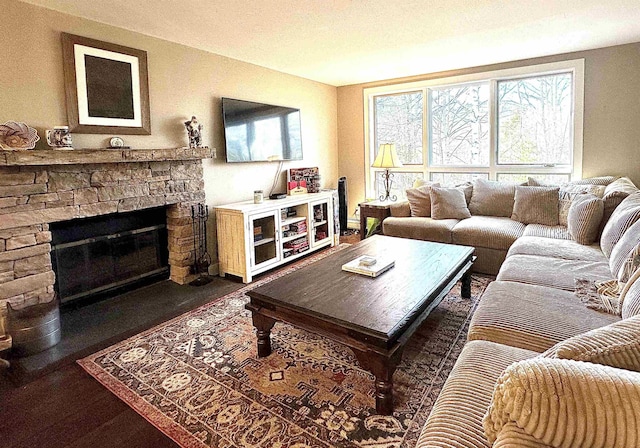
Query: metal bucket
(34,328)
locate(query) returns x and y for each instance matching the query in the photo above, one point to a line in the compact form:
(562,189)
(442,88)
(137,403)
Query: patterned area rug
(197,378)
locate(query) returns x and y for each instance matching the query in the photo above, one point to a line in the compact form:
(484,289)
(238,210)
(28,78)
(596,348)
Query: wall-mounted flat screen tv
(256,132)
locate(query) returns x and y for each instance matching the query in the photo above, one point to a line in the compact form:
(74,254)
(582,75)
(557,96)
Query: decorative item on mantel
(202,259)
(194,131)
(117,143)
(59,137)
(16,135)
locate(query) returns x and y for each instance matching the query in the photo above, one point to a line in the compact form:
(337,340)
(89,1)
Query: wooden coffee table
(373,316)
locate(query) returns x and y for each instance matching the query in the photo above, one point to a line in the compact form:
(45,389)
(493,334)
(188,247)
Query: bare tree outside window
(459,125)
(535,120)
(453,179)
(398,119)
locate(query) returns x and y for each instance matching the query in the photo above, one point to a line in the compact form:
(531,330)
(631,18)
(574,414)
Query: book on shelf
(362,265)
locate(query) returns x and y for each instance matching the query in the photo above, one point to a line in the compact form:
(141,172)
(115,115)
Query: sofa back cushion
(448,203)
(420,200)
(536,205)
(491,198)
(625,255)
(623,217)
(584,218)
(603,180)
(630,297)
(614,194)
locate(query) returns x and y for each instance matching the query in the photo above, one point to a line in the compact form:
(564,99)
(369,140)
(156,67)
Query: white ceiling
(342,42)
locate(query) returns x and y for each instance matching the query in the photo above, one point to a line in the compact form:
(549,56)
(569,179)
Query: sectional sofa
(546,364)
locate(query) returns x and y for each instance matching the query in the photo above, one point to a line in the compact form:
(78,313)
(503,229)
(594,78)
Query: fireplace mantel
(88,156)
(39,187)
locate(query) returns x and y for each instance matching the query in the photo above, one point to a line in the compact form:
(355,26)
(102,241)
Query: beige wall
(182,82)
(611,115)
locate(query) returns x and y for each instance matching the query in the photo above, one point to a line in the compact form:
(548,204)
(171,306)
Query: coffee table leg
(383,368)
(264,325)
(465,289)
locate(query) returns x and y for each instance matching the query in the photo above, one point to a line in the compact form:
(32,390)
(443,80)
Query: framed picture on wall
(106,86)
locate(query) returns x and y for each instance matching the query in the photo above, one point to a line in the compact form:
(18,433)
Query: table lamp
(387,158)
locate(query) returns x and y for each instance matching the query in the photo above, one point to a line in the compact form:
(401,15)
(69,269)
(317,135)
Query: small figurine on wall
(194,130)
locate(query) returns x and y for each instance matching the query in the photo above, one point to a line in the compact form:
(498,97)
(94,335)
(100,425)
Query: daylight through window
(504,125)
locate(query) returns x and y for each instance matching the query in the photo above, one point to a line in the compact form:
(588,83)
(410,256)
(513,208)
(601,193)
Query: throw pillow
(448,203)
(584,218)
(419,199)
(630,297)
(615,345)
(625,255)
(623,217)
(536,205)
(533,182)
(467,189)
(568,193)
(491,198)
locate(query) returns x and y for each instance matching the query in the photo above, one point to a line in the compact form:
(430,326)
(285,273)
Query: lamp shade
(387,157)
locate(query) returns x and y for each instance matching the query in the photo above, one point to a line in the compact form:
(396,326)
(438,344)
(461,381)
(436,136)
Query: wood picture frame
(106,86)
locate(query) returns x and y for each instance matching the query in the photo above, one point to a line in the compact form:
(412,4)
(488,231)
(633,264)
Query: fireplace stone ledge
(38,187)
(84,156)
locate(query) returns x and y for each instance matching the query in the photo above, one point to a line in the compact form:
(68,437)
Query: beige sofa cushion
(532,317)
(427,229)
(456,418)
(614,194)
(623,217)
(547,247)
(603,180)
(420,199)
(567,403)
(585,215)
(536,205)
(630,297)
(448,203)
(553,272)
(557,232)
(487,231)
(614,345)
(568,193)
(625,255)
(491,198)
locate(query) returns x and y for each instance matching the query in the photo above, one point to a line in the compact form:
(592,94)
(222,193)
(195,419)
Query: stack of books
(369,265)
(297,245)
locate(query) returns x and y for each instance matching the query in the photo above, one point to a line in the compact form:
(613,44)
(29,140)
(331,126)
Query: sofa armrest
(565,403)
(400,209)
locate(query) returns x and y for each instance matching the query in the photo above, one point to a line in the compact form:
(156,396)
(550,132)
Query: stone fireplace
(41,187)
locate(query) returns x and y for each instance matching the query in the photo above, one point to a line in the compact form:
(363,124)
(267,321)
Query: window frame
(574,171)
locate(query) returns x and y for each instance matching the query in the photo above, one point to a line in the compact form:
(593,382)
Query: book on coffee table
(363,265)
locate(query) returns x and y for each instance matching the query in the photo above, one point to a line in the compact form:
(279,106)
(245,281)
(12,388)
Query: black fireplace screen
(96,255)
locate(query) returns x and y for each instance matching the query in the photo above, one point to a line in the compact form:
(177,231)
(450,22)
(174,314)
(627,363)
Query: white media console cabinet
(253,238)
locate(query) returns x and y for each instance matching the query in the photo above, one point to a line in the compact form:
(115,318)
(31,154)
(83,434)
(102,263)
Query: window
(503,125)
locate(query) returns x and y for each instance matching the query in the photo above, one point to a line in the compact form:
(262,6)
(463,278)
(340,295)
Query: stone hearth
(40,187)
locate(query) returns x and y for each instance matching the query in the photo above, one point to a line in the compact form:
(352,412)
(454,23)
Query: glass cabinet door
(263,235)
(320,234)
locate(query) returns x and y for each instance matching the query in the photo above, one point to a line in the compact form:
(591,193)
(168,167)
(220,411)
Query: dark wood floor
(68,408)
